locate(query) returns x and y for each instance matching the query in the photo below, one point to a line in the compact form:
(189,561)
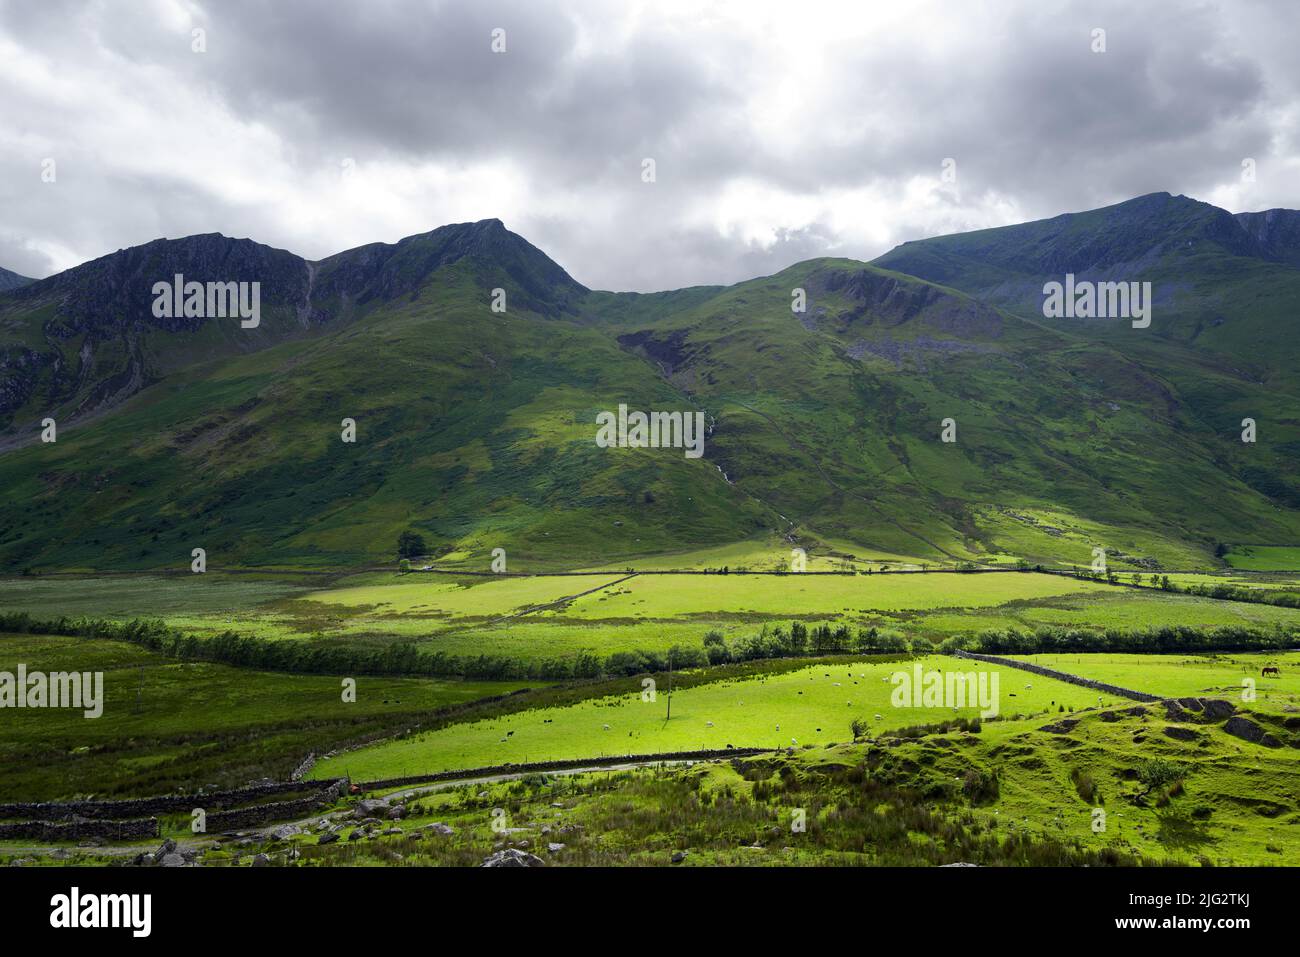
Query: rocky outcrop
(513,857)
(1248,730)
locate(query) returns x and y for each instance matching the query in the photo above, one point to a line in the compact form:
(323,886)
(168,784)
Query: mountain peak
(391,270)
(11,280)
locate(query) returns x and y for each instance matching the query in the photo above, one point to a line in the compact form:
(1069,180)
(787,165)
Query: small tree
(410,544)
(1158,773)
(859,727)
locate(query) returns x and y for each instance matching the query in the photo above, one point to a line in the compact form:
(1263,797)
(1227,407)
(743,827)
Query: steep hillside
(477,427)
(1223,337)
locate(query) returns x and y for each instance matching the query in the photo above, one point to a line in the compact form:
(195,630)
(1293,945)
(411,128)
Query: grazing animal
(1271,670)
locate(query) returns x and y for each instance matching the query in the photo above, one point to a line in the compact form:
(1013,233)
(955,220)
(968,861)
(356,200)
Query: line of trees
(796,640)
(1163,639)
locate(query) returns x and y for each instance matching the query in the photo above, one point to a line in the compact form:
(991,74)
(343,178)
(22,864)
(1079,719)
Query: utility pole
(670,685)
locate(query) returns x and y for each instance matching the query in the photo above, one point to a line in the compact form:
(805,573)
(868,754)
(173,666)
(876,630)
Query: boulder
(285,831)
(329,837)
(513,857)
(678,857)
(261,860)
(554,848)
(172,860)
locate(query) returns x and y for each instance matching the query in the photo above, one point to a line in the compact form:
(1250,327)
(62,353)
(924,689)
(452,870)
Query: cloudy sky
(779,131)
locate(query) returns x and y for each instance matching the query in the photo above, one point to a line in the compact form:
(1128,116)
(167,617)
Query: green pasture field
(1125,608)
(472,616)
(125,597)
(1217,675)
(168,723)
(831,596)
(1264,558)
(812,705)
(430,596)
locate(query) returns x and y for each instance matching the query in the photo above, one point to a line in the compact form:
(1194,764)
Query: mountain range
(476,427)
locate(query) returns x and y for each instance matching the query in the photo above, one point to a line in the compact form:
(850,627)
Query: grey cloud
(1032,116)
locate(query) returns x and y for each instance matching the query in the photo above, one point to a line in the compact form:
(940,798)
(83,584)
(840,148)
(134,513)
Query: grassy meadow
(813,705)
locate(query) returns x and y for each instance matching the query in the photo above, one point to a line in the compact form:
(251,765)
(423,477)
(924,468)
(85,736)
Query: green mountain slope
(477,427)
(1223,337)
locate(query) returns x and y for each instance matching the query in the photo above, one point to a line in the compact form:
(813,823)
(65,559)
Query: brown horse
(1271,670)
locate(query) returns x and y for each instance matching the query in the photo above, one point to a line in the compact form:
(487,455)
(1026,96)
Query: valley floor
(1046,771)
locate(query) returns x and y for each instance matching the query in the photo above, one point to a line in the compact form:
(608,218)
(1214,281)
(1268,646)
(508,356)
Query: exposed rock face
(1180,733)
(1277,231)
(1219,709)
